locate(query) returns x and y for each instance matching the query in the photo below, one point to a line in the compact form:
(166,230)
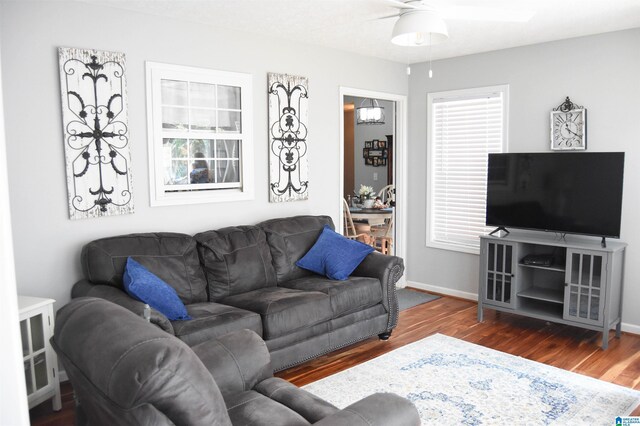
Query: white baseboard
(626,327)
(443,290)
(631,328)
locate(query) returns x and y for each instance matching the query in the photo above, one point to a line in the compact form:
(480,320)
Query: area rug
(408,298)
(453,382)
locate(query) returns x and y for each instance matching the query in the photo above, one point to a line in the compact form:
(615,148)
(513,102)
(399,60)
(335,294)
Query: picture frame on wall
(375,153)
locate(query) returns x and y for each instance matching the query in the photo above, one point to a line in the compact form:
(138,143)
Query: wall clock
(568,127)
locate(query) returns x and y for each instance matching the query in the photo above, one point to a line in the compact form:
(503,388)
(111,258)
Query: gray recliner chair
(126,371)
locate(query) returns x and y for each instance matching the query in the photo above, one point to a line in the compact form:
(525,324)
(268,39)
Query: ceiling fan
(422,23)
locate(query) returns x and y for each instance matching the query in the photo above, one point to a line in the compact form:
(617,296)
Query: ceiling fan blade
(395,15)
(494,14)
(400,4)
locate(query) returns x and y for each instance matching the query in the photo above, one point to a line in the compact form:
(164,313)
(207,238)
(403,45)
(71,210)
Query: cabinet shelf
(544,294)
(546,268)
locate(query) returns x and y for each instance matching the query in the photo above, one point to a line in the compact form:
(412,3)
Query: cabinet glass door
(584,296)
(499,279)
(34,353)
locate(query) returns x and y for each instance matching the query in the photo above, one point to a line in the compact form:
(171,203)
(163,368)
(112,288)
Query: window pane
(228,149)
(229,97)
(174,148)
(201,148)
(175,118)
(463,132)
(229,121)
(200,171)
(203,119)
(203,95)
(193,161)
(227,171)
(176,172)
(173,92)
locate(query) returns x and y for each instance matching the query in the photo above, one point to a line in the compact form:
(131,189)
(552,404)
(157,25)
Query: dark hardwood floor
(561,346)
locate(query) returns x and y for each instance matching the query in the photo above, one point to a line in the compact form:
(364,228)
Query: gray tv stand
(582,287)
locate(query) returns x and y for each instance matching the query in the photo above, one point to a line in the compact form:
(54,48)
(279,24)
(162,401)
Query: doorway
(373,155)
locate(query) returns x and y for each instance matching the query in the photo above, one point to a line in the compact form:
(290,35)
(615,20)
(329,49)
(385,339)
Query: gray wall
(47,243)
(600,72)
(363,174)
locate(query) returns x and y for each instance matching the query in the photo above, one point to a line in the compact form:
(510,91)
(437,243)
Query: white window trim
(451,95)
(158,196)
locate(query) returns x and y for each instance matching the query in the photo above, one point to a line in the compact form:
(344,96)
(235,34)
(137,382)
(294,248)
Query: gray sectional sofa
(245,277)
(125,371)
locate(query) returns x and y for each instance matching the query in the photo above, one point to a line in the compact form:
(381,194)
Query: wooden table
(372,216)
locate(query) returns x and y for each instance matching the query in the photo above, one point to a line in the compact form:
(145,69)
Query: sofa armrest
(84,288)
(237,361)
(388,269)
(384,409)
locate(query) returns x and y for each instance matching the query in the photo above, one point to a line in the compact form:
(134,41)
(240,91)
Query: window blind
(464,131)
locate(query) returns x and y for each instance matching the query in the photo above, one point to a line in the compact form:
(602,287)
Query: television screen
(576,192)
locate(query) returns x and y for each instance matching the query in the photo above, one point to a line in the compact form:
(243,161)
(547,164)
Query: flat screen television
(564,192)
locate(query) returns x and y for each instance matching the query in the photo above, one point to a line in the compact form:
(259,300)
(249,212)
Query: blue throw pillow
(334,255)
(146,287)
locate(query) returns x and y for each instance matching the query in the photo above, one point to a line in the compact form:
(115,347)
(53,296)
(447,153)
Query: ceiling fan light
(417,27)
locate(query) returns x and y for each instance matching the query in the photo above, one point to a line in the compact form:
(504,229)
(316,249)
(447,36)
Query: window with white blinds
(464,126)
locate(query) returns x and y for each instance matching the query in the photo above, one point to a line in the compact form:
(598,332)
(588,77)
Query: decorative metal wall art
(96,135)
(288,115)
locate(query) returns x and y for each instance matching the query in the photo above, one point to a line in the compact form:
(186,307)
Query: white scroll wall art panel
(96,134)
(288,117)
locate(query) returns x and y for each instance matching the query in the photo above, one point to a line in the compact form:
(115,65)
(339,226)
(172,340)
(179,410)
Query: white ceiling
(352,25)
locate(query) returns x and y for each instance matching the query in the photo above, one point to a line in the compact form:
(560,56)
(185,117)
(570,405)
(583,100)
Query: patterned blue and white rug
(453,382)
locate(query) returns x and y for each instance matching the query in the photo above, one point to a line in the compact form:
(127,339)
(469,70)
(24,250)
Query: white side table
(40,360)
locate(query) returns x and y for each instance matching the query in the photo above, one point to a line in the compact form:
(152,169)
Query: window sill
(181,198)
(452,247)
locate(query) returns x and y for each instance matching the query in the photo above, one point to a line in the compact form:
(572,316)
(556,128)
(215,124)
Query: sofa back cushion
(172,257)
(290,239)
(236,260)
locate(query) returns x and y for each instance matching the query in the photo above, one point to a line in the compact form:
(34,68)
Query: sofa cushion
(311,407)
(255,409)
(284,310)
(236,260)
(289,239)
(146,287)
(334,255)
(212,320)
(354,294)
(172,257)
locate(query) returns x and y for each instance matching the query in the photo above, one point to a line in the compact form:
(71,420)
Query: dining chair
(387,193)
(356,231)
(383,237)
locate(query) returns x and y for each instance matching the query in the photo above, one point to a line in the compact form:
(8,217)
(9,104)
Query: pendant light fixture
(371,113)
